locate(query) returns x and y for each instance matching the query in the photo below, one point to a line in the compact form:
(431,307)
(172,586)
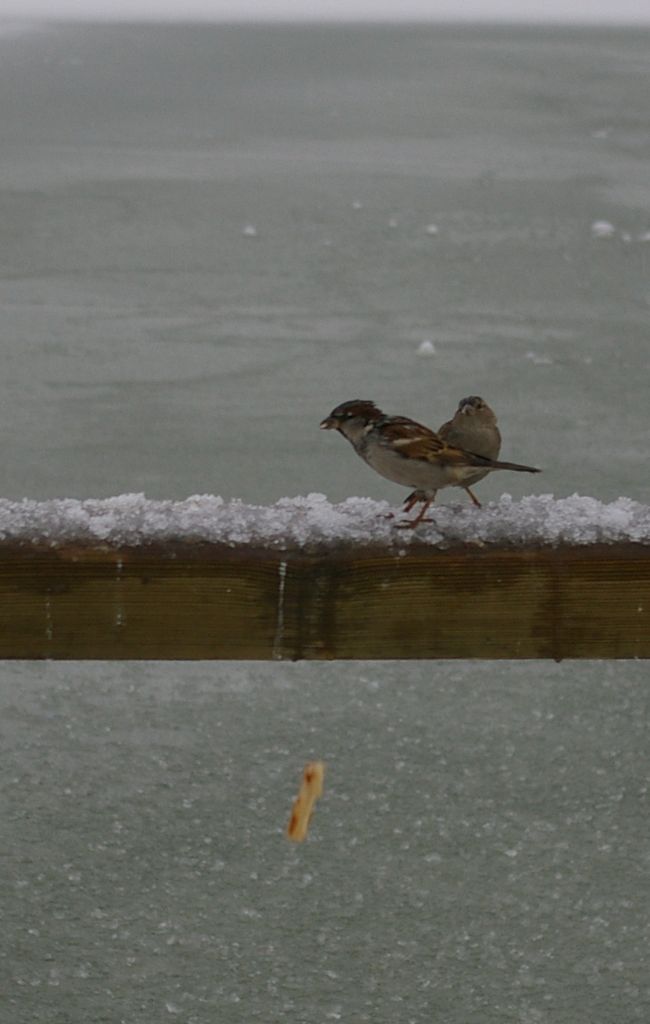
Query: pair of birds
(461,453)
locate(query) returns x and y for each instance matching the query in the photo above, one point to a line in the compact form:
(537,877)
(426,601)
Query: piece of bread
(311,788)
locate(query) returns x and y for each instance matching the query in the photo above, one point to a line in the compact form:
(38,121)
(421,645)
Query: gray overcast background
(610,11)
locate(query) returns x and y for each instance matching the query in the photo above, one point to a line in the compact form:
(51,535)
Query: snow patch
(426,348)
(312,521)
(602,229)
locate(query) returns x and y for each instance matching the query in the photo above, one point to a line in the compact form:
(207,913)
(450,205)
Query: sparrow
(473,428)
(409,453)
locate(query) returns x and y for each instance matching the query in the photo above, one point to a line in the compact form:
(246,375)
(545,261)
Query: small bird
(409,453)
(474,428)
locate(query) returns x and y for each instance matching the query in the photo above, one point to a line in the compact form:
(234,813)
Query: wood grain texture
(200,601)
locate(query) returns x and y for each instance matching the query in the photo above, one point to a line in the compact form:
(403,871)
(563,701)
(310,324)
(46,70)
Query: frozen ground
(480,854)
(211,237)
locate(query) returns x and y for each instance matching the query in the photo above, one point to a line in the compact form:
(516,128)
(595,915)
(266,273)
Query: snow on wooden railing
(128,577)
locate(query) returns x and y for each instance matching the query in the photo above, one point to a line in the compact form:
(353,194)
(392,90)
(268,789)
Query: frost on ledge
(312,521)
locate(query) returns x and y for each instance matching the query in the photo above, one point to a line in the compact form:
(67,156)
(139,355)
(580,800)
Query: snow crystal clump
(312,521)
(602,229)
(426,348)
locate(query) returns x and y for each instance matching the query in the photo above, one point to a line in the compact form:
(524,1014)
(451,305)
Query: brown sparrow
(474,428)
(408,453)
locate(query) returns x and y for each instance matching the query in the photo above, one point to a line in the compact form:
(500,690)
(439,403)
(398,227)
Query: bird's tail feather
(514,465)
(482,460)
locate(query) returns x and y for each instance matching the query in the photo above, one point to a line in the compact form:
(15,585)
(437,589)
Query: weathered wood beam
(210,601)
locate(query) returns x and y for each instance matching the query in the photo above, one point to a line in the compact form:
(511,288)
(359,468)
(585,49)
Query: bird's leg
(409,502)
(410,524)
(473,497)
(412,500)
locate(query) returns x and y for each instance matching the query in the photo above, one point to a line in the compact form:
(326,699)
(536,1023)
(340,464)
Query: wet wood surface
(200,601)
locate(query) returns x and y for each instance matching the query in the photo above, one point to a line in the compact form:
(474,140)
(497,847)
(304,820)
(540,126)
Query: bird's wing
(415,441)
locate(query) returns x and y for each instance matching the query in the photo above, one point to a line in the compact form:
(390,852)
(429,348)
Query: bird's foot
(412,524)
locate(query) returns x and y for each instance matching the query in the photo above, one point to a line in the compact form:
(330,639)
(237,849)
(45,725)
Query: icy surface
(313,520)
(480,854)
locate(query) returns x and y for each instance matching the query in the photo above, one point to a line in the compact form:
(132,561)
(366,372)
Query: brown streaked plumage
(474,428)
(408,453)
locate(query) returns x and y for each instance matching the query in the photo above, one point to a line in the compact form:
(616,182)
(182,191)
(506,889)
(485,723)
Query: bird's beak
(465,410)
(328,424)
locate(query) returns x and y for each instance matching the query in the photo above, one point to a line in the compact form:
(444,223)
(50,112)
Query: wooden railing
(212,601)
